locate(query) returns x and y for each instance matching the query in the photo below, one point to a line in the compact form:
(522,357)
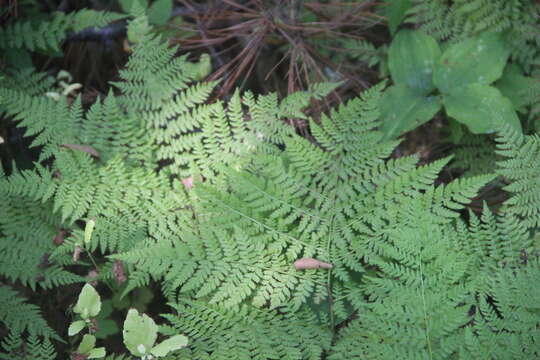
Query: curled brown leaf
(84,148)
(310,263)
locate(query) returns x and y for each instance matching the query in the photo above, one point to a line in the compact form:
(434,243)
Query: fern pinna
(405,275)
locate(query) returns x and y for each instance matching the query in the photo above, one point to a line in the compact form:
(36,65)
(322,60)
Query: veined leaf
(160,11)
(171,344)
(411,58)
(402,109)
(482,108)
(89,303)
(395,12)
(514,85)
(87,344)
(477,60)
(140,333)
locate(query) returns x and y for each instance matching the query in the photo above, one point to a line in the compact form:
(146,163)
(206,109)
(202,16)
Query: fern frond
(520,168)
(27,229)
(31,349)
(48,34)
(20,316)
(248,334)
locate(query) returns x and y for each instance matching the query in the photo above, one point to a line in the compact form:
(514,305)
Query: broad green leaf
(140,333)
(171,344)
(89,302)
(76,327)
(160,11)
(477,60)
(402,109)
(87,344)
(88,229)
(97,353)
(515,86)
(107,326)
(395,12)
(482,108)
(411,58)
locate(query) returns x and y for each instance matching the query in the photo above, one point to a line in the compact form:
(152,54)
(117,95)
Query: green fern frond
(250,333)
(475,155)
(520,168)
(48,34)
(39,115)
(20,316)
(334,202)
(32,349)
(27,230)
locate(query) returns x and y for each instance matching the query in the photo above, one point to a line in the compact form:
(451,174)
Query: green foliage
(478,60)
(395,12)
(19,316)
(403,109)
(421,52)
(218,201)
(462,74)
(521,170)
(140,334)
(481,108)
(517,20)
(31,349)
(473,154)
(47,35)
(89,303)
(87,348)
(249,333)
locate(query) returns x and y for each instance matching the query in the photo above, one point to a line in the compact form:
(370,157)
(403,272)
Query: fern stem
(428,340)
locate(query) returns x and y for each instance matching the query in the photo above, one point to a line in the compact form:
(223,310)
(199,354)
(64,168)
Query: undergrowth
(211,210)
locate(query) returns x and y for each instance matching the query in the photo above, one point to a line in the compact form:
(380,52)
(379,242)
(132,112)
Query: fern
(26,242)
(474,155)
(48,34)
(19,316)
(310,202)
(247,334)
(519,167)
(32,349)
(405,275)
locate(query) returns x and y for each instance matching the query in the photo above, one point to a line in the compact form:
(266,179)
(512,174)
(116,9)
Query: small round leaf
(76,327)
(140,333)
(97,353)
(171,344)
(89,303)
(87,344)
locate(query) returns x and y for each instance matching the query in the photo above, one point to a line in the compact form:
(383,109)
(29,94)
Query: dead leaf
(310,263)
(188,182)
(119,272)
(92,277)
(77,253)
(84,148)
(59,237)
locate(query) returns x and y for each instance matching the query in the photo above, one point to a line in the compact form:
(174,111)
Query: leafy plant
(462,74)
(140,333)
(264,243)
